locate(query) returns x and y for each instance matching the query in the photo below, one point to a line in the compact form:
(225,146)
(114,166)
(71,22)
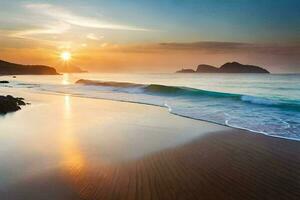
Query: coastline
(185,158)
(276,114)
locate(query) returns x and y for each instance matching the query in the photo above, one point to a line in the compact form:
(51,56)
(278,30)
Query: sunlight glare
(65,56)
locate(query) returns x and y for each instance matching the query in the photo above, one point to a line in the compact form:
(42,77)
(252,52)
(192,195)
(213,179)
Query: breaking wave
(177,91)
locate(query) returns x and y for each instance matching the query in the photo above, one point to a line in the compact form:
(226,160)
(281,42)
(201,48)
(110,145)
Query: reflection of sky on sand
(77,133)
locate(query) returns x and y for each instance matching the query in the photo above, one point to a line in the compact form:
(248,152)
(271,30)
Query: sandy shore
(96,149)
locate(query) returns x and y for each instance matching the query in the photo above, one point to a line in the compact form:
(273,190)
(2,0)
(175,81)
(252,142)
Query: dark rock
(230,67)
(7,68)
(235,67)
(206,69)
(186,71)
(4,82)
(10,104)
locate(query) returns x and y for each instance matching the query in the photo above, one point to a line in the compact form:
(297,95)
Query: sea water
(262,103)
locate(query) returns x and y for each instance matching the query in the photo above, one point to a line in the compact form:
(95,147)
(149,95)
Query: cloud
(92,36)
(57,29)
(66,16)
(216,47)
(223,47)
(103,45)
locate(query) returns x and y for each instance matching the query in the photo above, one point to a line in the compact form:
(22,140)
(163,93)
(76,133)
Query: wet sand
(190,159)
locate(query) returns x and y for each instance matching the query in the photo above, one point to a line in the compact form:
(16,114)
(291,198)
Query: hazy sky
(162,35)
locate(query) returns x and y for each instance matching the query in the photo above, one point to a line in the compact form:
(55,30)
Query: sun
(65,56)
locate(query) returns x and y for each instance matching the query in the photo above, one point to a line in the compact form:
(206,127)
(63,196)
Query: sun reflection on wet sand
(67,112)
(75,168)
(72,158)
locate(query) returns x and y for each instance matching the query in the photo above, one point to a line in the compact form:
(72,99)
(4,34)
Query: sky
(152,35)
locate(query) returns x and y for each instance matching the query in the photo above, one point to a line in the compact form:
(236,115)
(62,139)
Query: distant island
(71,69)
(186,71)
(8,68)
(230,67)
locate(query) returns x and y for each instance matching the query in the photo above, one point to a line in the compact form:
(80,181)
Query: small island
(71,69)
(8,68)
(186,71)
(230,67)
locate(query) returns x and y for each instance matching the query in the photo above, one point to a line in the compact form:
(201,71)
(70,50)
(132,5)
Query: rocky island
(230,67)
(9,103)
(206,69)
(8,68)
(186,71)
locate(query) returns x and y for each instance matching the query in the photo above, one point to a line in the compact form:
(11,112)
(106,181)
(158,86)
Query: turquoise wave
(186,92)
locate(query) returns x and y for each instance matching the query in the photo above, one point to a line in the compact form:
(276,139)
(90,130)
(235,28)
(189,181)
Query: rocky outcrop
(7,68)
(186,71)
(235,67)
(10,104)
(230,67)
(206,69)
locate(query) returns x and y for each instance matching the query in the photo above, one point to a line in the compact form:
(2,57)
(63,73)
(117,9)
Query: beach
(150,100)
(68,147)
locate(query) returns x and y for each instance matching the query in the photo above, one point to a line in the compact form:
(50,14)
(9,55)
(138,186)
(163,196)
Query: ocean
(261,103)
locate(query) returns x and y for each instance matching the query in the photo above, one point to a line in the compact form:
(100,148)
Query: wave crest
(177,91)
(107,83)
